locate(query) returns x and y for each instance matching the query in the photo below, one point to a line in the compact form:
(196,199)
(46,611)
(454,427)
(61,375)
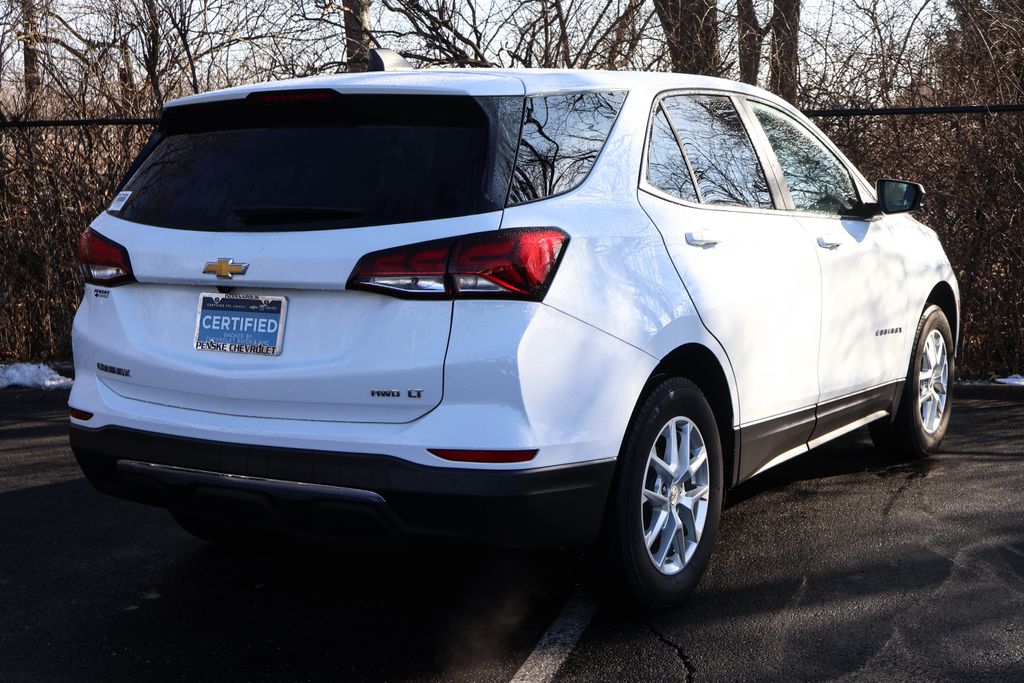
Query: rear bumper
(346,493)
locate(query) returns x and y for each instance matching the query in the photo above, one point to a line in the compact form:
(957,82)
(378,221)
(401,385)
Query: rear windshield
(336,162)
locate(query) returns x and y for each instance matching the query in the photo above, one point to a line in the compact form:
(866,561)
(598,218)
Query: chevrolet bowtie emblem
(225,268)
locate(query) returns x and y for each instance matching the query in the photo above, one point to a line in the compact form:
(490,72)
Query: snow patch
(33,376)
(1015,380)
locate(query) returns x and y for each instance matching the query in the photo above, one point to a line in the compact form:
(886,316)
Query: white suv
(525,307)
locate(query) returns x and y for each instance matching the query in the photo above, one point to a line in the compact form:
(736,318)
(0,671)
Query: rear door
(750,269)
(276,199)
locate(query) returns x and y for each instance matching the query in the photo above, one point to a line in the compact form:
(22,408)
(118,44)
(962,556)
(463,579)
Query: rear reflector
(483,456)
(103,261)
(79,414)
(517,263)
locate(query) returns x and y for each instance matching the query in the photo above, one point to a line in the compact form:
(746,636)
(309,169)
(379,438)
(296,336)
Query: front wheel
(668,496)
(922,418)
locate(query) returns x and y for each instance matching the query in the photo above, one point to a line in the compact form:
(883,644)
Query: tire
(660,576)
(919,425)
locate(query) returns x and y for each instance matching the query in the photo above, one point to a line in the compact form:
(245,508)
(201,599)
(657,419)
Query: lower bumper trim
(323,492)
(290,490)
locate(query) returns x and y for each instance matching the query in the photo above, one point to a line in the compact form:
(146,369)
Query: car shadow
(117,590)
(848,455)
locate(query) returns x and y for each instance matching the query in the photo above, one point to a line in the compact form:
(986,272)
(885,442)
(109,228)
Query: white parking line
(558,641)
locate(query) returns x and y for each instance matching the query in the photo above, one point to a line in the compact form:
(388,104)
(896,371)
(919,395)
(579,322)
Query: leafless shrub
(52,182)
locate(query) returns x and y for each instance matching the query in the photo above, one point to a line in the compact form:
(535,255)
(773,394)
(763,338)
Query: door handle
(707,238)
(829,243)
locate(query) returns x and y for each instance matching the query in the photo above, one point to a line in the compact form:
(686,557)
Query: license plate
(240,323)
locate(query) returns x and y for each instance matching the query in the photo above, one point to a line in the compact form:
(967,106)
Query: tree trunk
(751,38)
(784,56)
(30,50)
(357,34)
(691,30)
(151,50)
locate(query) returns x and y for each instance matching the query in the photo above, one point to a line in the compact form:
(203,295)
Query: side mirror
(898,196)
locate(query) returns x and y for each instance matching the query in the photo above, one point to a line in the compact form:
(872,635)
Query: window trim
(769,160)
(659,110)
(779,195)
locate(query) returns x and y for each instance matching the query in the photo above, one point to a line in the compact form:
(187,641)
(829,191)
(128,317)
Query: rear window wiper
(293,214)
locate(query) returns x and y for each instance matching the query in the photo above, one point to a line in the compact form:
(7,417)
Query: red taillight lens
(517,263)
(417,270)
(483,456)
(103,261)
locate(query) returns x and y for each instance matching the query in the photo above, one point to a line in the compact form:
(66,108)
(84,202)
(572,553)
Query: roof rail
(387,60)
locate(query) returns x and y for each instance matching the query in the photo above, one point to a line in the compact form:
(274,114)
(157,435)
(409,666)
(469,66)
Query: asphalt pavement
(841,564)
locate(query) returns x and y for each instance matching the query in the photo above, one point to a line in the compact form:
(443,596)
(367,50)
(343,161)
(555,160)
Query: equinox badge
(225,268)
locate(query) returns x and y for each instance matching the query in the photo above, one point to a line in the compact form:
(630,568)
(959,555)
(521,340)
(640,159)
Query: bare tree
(750,39)
(785,26)
(445,31)
(357,34)
(613,34)
(992,33)
(691,34)
(30,50)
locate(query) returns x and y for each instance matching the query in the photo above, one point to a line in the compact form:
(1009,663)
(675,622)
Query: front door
(863,277)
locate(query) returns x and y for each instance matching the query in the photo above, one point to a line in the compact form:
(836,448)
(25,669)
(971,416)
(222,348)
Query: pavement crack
(904,485)
(691,670)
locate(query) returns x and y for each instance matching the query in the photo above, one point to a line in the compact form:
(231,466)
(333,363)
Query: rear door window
(339,161)
(716,143)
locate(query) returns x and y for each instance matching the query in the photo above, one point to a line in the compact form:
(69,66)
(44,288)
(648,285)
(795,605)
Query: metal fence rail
(917,111)
(813,113)
(79,122)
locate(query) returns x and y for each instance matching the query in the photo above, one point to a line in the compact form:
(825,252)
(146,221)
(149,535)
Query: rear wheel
(668,495)
(923,415)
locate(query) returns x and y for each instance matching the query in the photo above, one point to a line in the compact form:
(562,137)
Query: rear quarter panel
(616,274)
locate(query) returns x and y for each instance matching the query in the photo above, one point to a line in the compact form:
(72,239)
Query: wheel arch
(700,365)
(942,295)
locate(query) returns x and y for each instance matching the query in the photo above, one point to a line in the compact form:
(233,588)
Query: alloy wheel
(933,379)
(674,498)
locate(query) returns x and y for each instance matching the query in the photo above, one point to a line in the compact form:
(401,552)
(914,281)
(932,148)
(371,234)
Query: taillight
(517,263)
(417,270)
(103,261)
